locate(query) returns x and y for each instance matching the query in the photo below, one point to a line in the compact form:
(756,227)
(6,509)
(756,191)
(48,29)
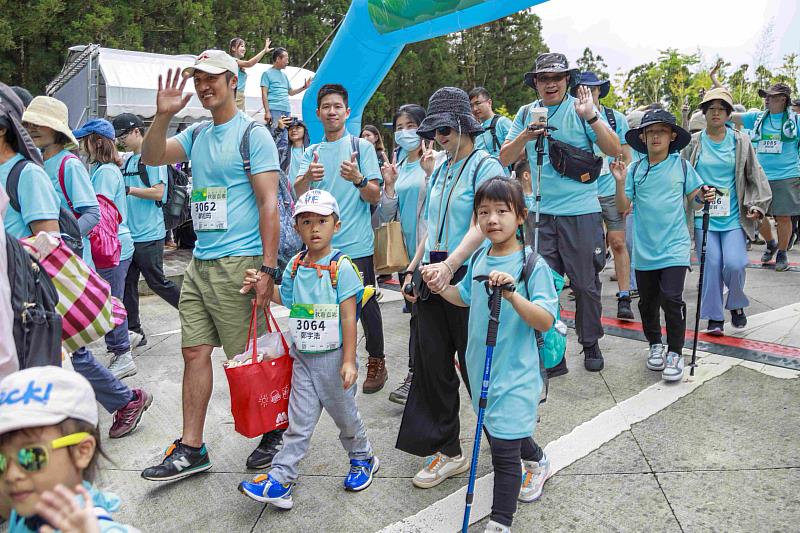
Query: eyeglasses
(551,79)
(124,134)
(35,457)
(444,131)
(476,103)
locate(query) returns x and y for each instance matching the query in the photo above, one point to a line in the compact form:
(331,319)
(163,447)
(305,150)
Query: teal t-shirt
(515,382)
(777,166)
(308,287)
(277,83)
(216,162)
(107,180)
(659,221)
(606,186)
(37,199)
(409,185)
(561,196)
(241,81)
(447,225)
(355,238)
(295,162)
(717,168)
(485,141)
(145,218)
(76,181)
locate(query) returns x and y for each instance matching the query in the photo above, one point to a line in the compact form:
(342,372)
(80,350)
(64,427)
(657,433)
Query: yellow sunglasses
(35,457)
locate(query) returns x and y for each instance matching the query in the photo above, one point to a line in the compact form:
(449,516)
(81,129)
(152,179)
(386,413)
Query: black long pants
(430,420)
(663,289)
(412,337)
(148,259)
(371,318)
(506,456)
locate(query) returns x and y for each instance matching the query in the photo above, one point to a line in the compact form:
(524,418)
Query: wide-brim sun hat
(11,109)
(449,107)
(50,113)
(658,116)
(551,63)
(100,126)
(717,93)
(590,79)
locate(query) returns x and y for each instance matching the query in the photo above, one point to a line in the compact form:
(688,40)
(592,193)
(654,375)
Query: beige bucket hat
(51,113)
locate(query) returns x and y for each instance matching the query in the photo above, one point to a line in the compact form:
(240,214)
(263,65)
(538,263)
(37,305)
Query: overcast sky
(630,32)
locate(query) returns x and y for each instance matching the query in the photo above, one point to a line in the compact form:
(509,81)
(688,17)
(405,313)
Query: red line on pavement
(734,342)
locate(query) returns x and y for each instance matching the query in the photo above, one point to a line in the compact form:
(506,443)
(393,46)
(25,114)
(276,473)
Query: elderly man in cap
(774,133)
(238,230)
(571,227)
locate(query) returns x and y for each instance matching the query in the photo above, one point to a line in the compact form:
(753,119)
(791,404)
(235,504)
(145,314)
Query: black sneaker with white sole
(179,461)
(738,318)
(267,449)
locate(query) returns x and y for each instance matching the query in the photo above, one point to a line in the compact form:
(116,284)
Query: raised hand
(585,105)
(349,169)
(428,159)
(267,42)
(284,122)
(170,98)
(308,82)
(315,170)
(619,169)
(63,511)
(390,173)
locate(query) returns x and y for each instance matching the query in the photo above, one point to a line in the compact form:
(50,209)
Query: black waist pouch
(574,163)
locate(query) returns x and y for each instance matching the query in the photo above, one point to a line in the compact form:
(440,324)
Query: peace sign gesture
(427,161)
(170,98)
(390,173)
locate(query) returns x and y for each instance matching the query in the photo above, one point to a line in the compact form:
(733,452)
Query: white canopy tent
(104,82)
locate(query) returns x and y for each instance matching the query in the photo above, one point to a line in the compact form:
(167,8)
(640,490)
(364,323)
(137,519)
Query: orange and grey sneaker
(179,461)
(439,467)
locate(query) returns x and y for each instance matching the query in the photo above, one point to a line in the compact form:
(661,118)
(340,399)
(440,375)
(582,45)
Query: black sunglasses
(444,131)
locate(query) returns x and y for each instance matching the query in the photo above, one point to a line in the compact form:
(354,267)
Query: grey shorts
(785,197)
(613,218)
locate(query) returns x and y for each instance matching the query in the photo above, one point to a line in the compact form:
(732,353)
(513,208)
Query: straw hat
(51,113)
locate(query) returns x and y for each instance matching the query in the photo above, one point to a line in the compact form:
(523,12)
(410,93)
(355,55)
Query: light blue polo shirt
(37,199)
(659,221)
(277,83)
(145,218)
(485,141)
(717,168)
(409,185)
(515,383)
(76,181)
(355,238)
(216,162)
(308,287)
(606,186)
(241,81)
(296,160)
(561,196)
(107,180)
(453,222)
(786,164)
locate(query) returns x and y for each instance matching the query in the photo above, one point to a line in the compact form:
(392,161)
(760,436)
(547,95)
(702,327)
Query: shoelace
(360,466)
(434,463)
(372,370)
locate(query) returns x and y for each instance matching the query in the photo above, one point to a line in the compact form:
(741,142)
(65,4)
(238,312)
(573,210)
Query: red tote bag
(260,390)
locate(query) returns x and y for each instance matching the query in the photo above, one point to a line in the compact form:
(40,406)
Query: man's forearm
(301,185)
(269,228)
(511,151)
(371,192)
(607,140)
(154,145)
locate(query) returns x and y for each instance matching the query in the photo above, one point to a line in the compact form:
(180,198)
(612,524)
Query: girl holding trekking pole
(515,382)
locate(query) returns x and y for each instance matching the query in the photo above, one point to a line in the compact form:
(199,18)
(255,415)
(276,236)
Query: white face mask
(407,139)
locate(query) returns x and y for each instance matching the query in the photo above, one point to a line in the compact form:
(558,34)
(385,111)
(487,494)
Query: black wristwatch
(593,119)
(269,271)
(362,184)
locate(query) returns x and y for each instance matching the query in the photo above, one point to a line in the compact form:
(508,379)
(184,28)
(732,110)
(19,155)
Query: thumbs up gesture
(315,170)
(350,171)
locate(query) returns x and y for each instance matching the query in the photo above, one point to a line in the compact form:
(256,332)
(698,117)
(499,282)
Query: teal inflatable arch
(374,33)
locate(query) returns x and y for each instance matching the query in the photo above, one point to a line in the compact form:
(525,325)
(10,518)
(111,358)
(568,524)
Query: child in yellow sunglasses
(49,444)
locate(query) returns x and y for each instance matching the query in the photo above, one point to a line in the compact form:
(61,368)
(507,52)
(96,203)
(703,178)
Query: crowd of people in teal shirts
(483,204)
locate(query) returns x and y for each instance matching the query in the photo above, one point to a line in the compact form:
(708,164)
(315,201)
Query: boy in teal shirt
(322,288)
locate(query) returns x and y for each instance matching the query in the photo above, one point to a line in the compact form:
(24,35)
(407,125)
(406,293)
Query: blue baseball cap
(590,79)
(96,125)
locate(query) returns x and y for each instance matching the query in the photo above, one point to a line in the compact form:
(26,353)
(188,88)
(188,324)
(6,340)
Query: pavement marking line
(447,514)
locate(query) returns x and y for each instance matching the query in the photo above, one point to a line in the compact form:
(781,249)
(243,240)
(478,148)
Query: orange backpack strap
(296,263)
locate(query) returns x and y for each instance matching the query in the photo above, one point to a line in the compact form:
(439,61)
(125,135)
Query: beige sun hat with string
(50,113)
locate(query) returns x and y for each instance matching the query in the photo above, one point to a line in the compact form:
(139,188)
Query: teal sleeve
(37,198)
(491,168)
(516,127)
(541,288)
(622,127)
(629,182)
(465,285)
(308,155)
(693,179)
(78,185)
(749,119)
(265,79)
(263,152)
(158,175)
(503,127)
(369,161)
(184,138)
(349,283)
(106,182)
(287,285)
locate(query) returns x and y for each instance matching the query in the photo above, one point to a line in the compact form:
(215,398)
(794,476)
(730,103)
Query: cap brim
(188,72)
(316,209)
(9,422)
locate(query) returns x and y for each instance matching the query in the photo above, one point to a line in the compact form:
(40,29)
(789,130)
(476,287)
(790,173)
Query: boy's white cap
(45,396)
(316,201)
(212,62)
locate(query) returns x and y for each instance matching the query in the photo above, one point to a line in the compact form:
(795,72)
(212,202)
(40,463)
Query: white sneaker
(534,474)
(494,527)
(137,339)
(439,467)
(673,371)
(122,365)
(655,361)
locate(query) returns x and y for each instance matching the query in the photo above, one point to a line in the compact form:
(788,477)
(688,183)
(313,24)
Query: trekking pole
(706,207)
(491,340)
(539,165)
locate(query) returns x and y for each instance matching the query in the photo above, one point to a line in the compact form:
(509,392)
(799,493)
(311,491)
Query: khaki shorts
(211,309)
(240,102)
(613,218)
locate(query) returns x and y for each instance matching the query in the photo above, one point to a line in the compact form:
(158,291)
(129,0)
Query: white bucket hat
(51,113)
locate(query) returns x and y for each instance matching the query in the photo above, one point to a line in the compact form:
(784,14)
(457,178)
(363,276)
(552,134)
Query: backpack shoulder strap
(142,171)
(244,148)
(612,120)
(685,174)
(355,147)
(296,263)
(529,266)
(493,131)
(475,255)
(12,183)
(61,170)
(196,132)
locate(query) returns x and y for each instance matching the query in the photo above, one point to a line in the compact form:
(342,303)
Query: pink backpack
(106,248)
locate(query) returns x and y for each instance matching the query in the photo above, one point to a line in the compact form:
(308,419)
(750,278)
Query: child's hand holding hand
(66,513)
(498,279)
(251,277)
(349,374)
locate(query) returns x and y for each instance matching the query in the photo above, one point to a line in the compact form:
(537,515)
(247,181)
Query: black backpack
(67,223)
(493,130)
(177,208)
(37,325)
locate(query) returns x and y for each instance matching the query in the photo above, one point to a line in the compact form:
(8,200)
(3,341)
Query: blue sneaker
(361,473)
(264,489)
